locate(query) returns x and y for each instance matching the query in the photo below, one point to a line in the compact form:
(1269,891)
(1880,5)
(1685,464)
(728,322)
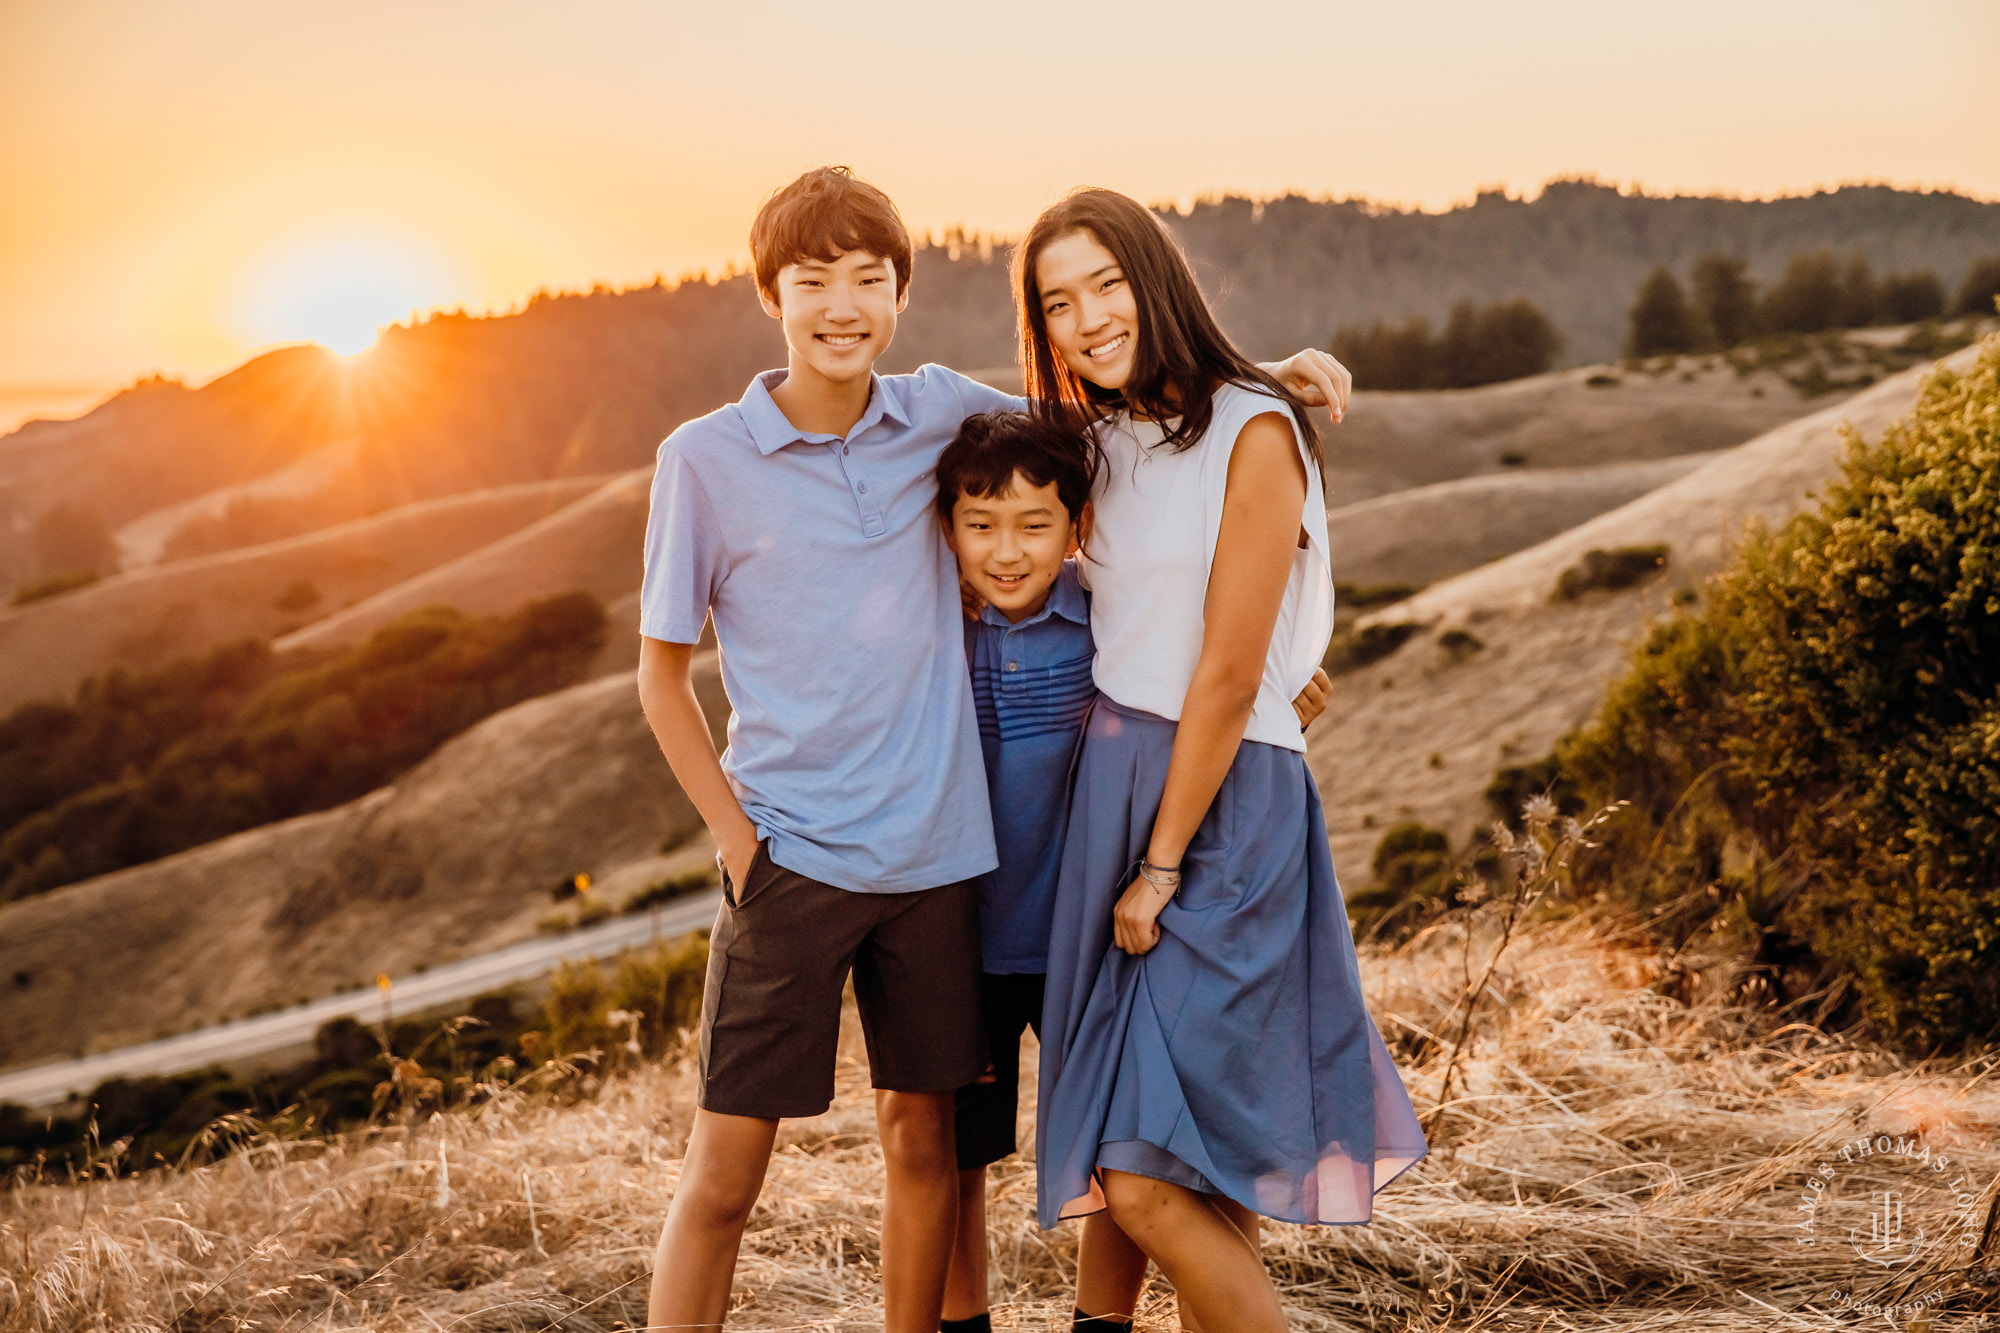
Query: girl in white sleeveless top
(1207,1056)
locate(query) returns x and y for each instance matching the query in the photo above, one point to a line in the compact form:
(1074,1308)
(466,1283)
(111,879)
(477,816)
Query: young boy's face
(839,315)
(1011,546)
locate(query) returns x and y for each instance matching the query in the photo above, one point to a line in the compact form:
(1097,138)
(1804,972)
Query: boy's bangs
(823,215)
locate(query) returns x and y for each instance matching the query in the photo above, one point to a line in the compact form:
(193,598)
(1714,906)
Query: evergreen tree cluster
(1720,306)
(1505,340)
(142,765)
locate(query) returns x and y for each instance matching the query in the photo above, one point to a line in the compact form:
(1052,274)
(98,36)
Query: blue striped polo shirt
(1031,687)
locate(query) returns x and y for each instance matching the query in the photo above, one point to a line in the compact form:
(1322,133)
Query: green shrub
(54,585)
(669,889)
(1620,567)
(1820,738)
(1411,866)
(298,595)
(1365,596)
(658,990)
(1372,643)
(1460,643)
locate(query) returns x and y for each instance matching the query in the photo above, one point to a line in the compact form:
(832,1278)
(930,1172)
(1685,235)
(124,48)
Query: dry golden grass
(1613,1157)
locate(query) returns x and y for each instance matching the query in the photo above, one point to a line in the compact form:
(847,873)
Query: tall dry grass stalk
(1610,1156)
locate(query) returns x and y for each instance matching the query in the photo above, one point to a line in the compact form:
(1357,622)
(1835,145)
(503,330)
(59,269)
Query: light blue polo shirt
(852,741)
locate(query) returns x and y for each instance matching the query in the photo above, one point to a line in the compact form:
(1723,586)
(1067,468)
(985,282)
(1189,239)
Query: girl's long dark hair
(1183,356)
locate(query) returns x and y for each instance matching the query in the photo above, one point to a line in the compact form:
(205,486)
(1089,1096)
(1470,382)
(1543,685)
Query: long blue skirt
(1237,1056)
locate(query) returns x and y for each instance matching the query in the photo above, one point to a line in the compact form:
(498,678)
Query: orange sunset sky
(182,184)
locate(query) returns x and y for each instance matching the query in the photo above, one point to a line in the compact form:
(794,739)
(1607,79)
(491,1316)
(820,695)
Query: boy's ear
(902,300)
(950,537)
(1079,533)
(769,300)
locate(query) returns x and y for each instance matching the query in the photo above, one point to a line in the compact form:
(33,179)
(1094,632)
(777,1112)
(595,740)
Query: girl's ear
(1079,532)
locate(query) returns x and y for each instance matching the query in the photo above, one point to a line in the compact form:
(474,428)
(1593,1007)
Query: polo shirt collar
(1066,599)
(772,430)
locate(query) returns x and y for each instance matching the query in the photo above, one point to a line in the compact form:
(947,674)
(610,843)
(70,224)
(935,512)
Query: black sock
(979,1323)
(1116,1323)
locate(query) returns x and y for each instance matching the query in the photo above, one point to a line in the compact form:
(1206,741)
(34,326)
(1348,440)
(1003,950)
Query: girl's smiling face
(1088,307)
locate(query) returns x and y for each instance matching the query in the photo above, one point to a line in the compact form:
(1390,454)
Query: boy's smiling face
(839,315)
(1011,546)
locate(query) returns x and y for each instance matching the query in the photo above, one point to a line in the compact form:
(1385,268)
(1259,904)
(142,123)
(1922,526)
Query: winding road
(240,1039)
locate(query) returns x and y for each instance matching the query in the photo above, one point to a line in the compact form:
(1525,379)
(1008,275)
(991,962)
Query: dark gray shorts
(782,950)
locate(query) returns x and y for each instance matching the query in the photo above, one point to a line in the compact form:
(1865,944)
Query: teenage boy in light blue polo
(850,810)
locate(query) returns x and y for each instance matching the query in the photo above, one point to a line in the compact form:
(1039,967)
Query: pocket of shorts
(736,895)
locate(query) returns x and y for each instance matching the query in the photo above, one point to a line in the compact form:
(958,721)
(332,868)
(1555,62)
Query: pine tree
(1981,286)
(1909,297)
(1661,320)
(1725,300)
(1860,295)
(1808,298)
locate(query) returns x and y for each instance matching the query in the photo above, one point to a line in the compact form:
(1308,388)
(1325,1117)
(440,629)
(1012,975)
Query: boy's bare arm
(666,692)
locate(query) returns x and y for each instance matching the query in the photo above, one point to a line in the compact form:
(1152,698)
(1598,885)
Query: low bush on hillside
(54,585)
(142,765)
(1619,567)
(1813,751)
(1366,596)
(1369,644)
(589,1023)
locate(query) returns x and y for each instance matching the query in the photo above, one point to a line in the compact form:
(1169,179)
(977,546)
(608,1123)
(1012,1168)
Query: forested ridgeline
(590,382)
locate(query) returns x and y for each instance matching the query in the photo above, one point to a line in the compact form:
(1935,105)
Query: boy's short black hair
(991,447)
(821,216)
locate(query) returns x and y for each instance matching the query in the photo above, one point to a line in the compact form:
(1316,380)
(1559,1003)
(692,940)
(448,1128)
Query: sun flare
(337,286)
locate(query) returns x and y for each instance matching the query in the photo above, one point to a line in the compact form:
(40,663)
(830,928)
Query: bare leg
(919,1207)
(696,1258)
(1110,1269)
(1216,1272)
(1244,1221)
(965,1285)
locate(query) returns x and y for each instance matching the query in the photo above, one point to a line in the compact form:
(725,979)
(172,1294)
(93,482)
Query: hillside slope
(594,544)
(1426,533)
(1420,733)
(456,857)
(150,616)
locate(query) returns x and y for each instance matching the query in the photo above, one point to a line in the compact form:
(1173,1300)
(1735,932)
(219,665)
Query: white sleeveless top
(1148,560)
